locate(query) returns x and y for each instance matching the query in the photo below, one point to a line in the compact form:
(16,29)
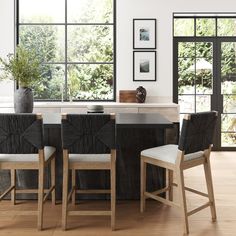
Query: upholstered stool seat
(48,151)
(169,153)
(89,158)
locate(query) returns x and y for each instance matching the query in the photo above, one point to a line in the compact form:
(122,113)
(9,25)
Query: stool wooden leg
(169,179)
(73,183)
(53,180)
(207,169)
(143,169)
(40,196)
(113,191)
(13,183)
(65,190)
(182,199)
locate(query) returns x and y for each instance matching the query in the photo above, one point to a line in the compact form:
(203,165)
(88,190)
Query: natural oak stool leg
(208,176)
(143,169)
(13,183)
(65,190)
(182,199)
(73,185)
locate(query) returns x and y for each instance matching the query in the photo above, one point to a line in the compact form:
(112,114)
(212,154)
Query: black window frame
(66,63)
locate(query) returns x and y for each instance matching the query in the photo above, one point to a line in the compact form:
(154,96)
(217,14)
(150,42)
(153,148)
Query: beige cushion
(89,157)
(48,151)
(168,153)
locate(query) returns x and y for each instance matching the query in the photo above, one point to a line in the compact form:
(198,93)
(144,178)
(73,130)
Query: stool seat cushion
(168,153)
(89,157)
(48,151)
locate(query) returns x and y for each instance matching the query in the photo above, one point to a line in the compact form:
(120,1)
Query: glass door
(204,70)
(195,75)
(228,93)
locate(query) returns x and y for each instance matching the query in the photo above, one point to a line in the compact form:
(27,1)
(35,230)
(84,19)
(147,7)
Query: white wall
(6,43)
(6,27)
(126,11)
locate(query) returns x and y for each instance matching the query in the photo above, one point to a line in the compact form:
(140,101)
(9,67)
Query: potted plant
(24,68)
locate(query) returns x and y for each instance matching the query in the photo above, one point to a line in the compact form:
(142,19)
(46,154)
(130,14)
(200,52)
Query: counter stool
(88,144)
(194,149)
(22,148)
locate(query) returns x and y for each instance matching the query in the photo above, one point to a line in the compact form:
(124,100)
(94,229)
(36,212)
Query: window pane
(48,41)
(229,103)
(204,49)
(187,103)
(90,43)
(228,122)
(228,67)
(42,11)
(203,103)
(204,76)
(186,49)
(53,79)
(90,11)
(228,139)
(226,27)
(186,80)
(205,27)
(184,27)
(92,82)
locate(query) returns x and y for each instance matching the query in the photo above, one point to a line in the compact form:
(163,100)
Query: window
(204,76)
(75,41)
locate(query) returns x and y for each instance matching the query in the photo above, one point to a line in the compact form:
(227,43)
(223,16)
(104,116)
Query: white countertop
(85,104)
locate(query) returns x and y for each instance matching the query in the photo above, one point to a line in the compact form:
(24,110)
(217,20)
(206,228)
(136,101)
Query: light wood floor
(158,220)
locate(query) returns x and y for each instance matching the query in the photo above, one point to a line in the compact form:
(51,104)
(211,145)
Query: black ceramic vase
(141,94)
(23,100)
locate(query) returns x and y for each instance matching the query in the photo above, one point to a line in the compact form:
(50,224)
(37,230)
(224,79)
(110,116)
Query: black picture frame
(148,40)
(144,66)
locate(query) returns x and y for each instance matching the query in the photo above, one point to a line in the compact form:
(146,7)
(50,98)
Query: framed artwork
(144,33)
(144,66)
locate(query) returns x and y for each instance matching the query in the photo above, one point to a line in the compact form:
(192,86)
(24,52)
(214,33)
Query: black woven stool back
(197,132)
(20,133)
(88,133)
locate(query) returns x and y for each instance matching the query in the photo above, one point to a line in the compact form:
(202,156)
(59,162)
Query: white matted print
(144,66)
(144,33)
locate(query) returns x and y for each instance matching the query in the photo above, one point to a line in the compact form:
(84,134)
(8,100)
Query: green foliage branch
(23,67)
